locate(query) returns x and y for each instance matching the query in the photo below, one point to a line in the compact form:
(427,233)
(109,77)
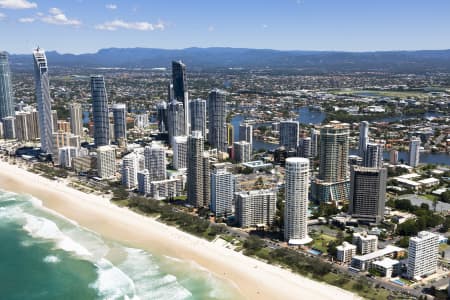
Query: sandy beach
(253,279)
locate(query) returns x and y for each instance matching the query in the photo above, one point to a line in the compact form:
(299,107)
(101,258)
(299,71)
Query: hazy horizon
(226,47)
(321,25)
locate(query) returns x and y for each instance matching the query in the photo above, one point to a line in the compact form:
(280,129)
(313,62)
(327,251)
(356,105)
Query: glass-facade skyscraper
(120,121)
(180,89)
(217,115)
(43,100)
(6,93)
(100,111)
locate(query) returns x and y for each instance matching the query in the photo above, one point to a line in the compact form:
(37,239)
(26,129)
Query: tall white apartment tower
(222,191)
(44,102)
(143,178)
(106,162)
(255,207)
(242,151)
(315,136)
(246,133)
(197,112)
(414,151)
(76,119)
(179,146)
(422,254)
(155,161)
(296,207)
(363,137)
(176,125)
(373,156)
(130,167)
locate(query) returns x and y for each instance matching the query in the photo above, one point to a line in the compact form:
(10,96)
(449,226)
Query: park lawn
(431,197)
(366,293)
(443,247)
(321,242)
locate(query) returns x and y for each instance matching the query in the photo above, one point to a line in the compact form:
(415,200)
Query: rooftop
(386,262)
(379,253)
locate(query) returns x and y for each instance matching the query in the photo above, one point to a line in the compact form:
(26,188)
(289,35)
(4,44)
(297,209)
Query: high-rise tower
(217,115)
(367,193)
(180,88)
(414,151)
(120,122)
(296,208)
(222,191)
(196,171)
(175,120)
(246,133)
(197,111)
(42,86)
(100,111)
(289,134)
(76,119)
(332,183)
(155,161)
(373,156)
(363,137)
(6,93)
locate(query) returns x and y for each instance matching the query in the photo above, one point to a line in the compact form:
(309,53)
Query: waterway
(308,117)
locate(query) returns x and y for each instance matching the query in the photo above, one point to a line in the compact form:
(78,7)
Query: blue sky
(80,26)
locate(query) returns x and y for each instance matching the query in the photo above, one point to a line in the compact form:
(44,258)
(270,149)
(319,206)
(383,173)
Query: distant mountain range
(217,58)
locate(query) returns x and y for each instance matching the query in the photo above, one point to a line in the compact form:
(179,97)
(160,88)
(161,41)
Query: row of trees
(425,217)
(172,216)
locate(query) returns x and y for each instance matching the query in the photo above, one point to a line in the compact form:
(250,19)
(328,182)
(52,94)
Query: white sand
(254,279)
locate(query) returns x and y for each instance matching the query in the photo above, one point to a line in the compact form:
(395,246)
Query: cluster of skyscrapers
(189,125)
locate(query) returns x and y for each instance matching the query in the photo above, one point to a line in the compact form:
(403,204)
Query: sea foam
(112,283)
(51,259)
(150,281)
(39,227)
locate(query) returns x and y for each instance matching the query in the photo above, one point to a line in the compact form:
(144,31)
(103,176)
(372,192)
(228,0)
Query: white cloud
(111,6)
(27,20)
(264,26)
(2,16)
(57,17)
(55,11)
(17,4)
(211,28)
(120,24)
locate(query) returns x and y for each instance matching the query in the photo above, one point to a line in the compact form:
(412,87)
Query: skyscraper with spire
(44,101)
(6,93)
(180,88)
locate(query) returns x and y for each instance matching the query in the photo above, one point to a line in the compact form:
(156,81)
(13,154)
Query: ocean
(46,256)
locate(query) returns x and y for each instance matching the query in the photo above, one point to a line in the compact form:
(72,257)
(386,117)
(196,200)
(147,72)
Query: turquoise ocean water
(45,256)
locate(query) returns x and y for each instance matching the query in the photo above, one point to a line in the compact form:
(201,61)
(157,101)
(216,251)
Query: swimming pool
(398,281)
(314,252)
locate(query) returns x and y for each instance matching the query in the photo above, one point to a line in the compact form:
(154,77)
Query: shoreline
(252,279)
